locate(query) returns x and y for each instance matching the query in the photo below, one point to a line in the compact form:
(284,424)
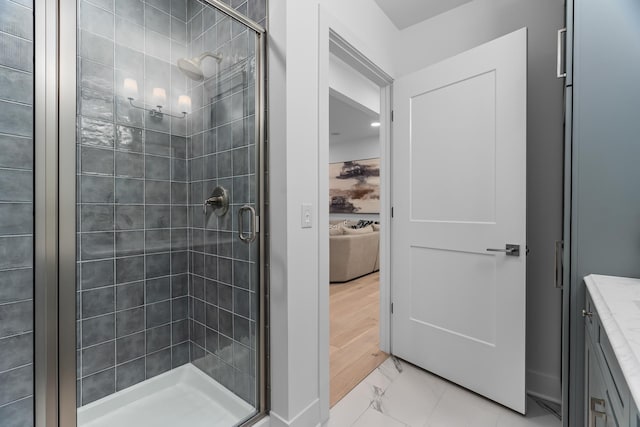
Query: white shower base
(185,396)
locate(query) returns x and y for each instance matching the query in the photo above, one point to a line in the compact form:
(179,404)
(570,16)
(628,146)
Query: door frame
(335,38)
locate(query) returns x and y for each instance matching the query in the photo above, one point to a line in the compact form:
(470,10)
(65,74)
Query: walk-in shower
(133,293)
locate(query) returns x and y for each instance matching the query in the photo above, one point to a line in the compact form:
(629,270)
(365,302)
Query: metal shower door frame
(55,53)
(46,189)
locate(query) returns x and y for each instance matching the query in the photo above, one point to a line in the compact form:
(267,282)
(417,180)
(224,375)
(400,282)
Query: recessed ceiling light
(375,124)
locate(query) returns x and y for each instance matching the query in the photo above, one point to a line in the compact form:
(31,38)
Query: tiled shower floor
(182,397)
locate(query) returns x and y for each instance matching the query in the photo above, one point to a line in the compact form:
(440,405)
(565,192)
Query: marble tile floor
(389,397)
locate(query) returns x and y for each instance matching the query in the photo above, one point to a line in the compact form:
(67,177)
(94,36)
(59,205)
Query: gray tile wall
(16,213)
(159,284)
(132,197)
(221,151)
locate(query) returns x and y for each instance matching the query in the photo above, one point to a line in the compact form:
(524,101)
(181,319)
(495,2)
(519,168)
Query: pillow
(376,227)
(363,223)
(336,230)
(364,230)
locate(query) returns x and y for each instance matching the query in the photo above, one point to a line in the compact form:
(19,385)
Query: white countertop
(617,301)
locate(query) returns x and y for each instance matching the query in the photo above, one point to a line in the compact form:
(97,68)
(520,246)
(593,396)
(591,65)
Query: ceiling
(350,120)
(404,13)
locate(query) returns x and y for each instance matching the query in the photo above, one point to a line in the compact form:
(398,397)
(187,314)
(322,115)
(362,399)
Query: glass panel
(167,292)
(16,213)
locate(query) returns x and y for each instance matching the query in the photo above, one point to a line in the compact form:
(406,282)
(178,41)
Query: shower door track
(55,54)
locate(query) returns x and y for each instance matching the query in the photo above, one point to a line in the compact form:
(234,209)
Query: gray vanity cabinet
(608,402)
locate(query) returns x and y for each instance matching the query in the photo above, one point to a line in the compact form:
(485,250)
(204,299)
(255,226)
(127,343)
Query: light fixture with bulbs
(375,124)
(159,98)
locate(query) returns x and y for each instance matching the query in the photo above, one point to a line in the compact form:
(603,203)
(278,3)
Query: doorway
(401,169)
(354,234)
(357,302)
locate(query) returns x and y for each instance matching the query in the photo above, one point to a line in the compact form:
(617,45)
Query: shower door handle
(251,236)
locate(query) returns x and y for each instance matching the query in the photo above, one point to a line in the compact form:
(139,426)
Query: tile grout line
(24,365)
(13,402)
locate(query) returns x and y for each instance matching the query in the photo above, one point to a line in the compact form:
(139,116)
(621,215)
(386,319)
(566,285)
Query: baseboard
(544,386)
(309,416)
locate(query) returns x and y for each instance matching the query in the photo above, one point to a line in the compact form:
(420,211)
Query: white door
(459,188)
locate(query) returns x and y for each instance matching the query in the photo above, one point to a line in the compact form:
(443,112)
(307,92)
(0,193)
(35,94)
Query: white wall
(473,24)
(293,140)
(353,85)
(367,148)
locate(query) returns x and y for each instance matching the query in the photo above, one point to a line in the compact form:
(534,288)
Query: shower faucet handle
(219,200)
(215,201)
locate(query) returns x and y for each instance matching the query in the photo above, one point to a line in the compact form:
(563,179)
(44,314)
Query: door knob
(509,250)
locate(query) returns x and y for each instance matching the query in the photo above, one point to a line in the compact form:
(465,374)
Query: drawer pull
(595,413)
(586,313)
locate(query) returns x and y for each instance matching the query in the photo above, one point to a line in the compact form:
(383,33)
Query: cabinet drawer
(617,390)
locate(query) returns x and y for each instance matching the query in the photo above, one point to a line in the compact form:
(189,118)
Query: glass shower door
(168,292)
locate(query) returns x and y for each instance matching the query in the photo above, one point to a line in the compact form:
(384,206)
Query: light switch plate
(306,220)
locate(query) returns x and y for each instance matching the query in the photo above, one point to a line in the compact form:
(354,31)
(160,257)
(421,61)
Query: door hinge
(391,115)
(391,211)
(391,308)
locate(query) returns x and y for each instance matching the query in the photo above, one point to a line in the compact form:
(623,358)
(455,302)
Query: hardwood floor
(354,340)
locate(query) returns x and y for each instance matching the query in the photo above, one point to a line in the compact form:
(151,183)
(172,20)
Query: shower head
(192,67)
